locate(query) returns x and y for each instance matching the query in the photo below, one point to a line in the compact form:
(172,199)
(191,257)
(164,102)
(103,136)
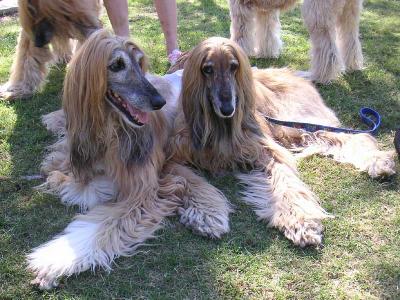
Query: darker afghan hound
(47,22)
(221,128)
(333,27)
(110,160)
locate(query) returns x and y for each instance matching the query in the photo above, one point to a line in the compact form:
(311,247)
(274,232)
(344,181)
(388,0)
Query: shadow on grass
(28,217)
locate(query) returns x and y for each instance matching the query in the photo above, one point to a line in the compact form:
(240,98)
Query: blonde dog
(333,27)
(221,127)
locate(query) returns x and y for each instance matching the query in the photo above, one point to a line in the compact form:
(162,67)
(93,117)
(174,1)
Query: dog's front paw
(382,164)
(306,233)
(45,268)
(44,283)
(55,122)
(53,183)
(203,223)
(9,92)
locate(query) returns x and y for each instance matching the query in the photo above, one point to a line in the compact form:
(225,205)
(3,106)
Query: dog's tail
(360,150)
(180,63)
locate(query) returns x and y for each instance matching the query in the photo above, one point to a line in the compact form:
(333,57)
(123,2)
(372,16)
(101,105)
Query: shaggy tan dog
(45,22)
(110,160)
(220,127)
(333,26)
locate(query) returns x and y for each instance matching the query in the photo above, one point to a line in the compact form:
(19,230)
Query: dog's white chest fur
(175,81)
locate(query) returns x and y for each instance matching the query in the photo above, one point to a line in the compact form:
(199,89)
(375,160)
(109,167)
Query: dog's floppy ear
(85,87)
(245,87)
(193,98)
(197,131)
(180,63)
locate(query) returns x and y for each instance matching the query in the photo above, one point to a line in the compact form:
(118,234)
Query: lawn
(361,254)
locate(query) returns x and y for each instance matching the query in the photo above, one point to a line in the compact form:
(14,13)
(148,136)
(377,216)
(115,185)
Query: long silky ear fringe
(180,63)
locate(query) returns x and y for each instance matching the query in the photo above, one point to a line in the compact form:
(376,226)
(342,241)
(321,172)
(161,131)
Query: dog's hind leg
(326,62)
(242,26)
(55,122)
(98,237)
(360,150)
(349,42)
(86,195)
(58,158)
(268,34)
(204,208)
(280,197)
(28,71)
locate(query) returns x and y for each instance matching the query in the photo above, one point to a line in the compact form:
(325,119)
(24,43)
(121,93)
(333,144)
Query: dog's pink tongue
(141,116)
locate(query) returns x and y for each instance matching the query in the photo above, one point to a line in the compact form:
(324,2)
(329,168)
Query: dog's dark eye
(208,70)
(234,66)
(117,65)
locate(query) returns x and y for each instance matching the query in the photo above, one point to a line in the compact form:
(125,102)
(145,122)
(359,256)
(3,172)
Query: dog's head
(106,81)
(108,74)
(129,93)
(217,85)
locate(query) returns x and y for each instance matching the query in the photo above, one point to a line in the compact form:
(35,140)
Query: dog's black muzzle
(156,100)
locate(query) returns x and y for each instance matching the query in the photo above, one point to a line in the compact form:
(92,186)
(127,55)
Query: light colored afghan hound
(221,127)
(45,22)
(333,26)
(110,161)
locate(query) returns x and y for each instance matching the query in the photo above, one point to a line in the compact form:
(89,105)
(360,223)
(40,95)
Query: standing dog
(111,162)
(47,22)
(333,27)
(221,127)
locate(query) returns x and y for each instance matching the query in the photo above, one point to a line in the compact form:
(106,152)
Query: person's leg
(166,10)
(117,11)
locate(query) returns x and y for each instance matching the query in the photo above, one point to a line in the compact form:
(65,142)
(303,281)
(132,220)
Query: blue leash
(368,116)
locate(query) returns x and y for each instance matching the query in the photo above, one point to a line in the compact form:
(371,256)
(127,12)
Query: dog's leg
(360,150)
(280,197)
(28,71)
(63,50)
(268,34)
(85,195)
(349,42)
(97,238)
(326,62)
(55,122)
(205,209)
(58,158)
(286,203)
(242,26)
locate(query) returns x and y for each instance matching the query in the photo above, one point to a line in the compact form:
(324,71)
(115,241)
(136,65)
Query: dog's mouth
(134,115)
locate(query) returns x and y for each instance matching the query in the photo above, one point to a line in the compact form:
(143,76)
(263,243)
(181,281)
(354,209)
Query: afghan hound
(111,161)
(333,27)
(221,127)
(45,22)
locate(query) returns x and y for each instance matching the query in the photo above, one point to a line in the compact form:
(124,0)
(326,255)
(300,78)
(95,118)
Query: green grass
(361,257)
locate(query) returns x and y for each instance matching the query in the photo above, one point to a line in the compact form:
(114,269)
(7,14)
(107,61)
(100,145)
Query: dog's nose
(158,102)
(227,109)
